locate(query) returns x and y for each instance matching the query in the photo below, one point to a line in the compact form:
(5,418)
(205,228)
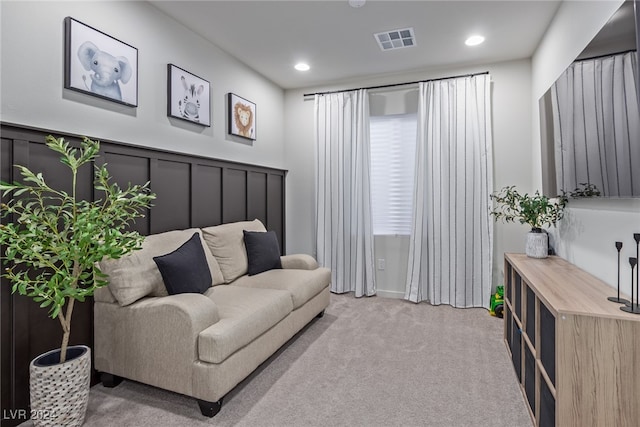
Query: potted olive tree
(536,211)
(52,242)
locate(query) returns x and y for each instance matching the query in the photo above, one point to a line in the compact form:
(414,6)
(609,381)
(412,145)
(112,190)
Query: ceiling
(617,35)
(337,40)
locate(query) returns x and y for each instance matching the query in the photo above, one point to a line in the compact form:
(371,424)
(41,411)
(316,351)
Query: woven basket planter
(537,245)
(60,391)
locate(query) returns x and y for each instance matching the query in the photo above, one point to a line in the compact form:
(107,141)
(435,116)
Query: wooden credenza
(575,354)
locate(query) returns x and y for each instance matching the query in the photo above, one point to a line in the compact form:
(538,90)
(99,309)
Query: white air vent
(396,39)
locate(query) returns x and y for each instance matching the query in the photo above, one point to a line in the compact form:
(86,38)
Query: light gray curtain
(451,245)
(597,126)
(344,233)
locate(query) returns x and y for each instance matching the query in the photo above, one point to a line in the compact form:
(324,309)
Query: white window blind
(393,147)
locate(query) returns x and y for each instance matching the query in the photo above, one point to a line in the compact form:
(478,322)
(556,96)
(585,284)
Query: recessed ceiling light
(474,40)
(357,3)
(301,66)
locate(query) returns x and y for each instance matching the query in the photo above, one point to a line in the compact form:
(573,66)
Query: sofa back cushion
(226,243)
(136,275)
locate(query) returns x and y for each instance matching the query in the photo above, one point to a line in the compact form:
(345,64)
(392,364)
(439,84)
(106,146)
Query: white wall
(31,93)
(32,35)
(511,101)
(587,236)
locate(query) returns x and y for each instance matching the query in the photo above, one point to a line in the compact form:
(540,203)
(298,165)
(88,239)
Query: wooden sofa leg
(209,409)
(110,380)
(320,315)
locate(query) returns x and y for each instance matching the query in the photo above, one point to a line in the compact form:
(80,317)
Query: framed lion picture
(242,117)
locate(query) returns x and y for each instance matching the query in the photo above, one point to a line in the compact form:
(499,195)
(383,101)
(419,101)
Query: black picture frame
(188,96)
(239,111)
(100,65)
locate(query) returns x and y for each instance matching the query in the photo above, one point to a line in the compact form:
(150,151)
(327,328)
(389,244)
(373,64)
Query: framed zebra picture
(188,96)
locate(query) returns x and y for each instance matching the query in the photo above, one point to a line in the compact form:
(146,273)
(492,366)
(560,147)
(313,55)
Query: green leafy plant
(585,190)
(536,210)
(53,240)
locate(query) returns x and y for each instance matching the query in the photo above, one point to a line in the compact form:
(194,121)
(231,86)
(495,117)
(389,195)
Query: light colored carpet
(367,362)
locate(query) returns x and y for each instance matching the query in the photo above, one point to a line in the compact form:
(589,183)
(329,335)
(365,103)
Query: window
(393,148)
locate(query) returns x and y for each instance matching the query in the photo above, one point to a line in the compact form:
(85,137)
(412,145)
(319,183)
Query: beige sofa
(201,344)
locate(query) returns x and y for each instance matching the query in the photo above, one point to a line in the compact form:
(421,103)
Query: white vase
(537,244)
(60,391)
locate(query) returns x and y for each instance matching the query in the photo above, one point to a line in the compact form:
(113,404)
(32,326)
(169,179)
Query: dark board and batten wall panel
(192,191)
(171,181)
(256,199)
(129,169)
(275,215)
(206,194)
(234,203)
(6,303)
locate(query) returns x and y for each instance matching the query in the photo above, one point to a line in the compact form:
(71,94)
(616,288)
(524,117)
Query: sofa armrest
(152,335)
(299,262)
(189,312)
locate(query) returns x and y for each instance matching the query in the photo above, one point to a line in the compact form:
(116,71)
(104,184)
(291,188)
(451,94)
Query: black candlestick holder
(618,299)
(634,307)
(636,237)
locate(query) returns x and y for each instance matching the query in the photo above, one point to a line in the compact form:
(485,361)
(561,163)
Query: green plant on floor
(535,210)
(53,239)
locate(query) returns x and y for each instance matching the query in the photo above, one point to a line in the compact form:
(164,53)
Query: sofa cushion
(185,270)
(263,251)
(227,245)
(244,314)
(136,275)
(302,285)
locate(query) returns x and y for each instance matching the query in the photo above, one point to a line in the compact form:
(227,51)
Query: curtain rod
(395,84)
(605,55)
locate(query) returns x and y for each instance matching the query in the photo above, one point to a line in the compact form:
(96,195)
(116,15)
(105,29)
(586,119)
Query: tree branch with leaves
(53,241)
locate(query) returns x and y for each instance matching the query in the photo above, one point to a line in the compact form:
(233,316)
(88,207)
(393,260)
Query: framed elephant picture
(188,96)
(100,65)
(242,117)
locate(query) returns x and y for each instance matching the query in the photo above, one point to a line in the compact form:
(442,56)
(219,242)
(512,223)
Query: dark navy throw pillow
(263,251)
(185,270)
